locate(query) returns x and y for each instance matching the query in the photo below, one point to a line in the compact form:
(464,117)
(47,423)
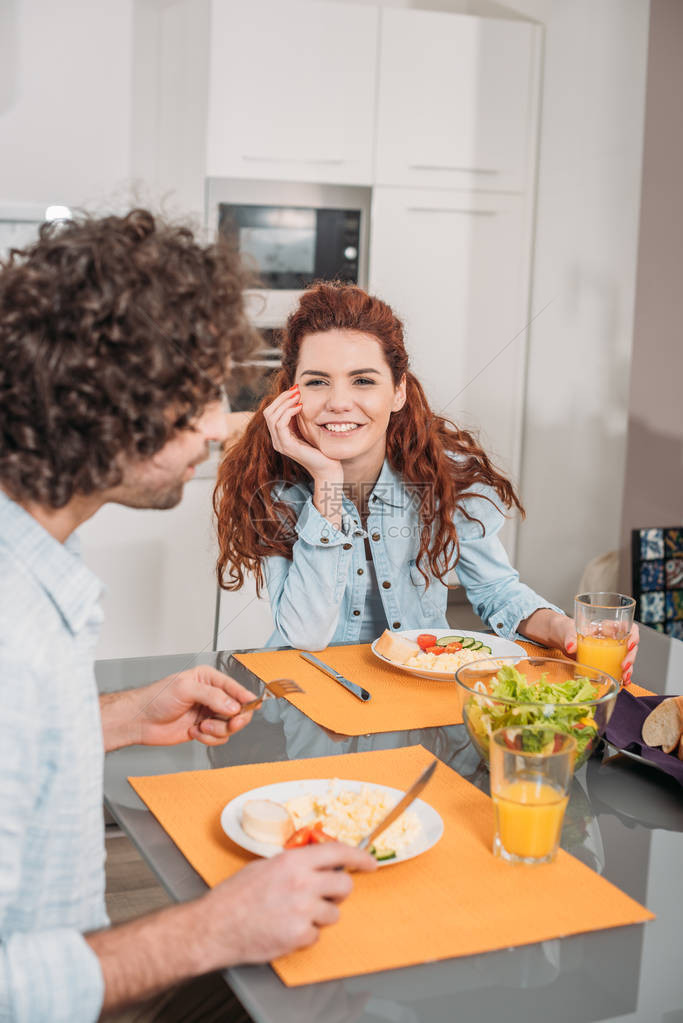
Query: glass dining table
(624,820)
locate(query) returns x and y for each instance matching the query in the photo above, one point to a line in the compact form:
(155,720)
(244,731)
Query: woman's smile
(341,428)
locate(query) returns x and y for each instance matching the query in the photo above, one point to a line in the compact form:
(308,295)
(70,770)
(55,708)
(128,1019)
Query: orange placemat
(399,701)
(455,899)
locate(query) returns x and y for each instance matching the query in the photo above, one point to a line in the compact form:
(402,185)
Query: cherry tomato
(426,640)
(435,650)
(318,836)
(300,837)
(512,742)
(452,648)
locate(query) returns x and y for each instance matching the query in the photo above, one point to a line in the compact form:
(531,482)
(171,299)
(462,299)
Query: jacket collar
(390,488)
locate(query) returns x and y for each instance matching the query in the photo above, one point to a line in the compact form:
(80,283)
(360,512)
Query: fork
(276,688)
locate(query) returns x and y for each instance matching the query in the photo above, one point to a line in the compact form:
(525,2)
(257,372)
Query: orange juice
(529,817)
(602,652)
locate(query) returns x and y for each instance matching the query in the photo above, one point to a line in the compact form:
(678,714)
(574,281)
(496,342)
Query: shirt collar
(57,567)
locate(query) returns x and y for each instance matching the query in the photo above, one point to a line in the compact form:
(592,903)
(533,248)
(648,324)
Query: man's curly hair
(114,333)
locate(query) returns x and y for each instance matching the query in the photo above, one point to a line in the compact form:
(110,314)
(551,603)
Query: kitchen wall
(653,489)
(583,289)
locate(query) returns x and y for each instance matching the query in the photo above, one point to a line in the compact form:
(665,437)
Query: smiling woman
(353,500)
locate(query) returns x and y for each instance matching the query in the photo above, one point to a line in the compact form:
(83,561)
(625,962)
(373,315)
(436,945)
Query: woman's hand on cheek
(280,417)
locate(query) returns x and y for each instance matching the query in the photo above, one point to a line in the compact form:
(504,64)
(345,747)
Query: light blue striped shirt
(51,760)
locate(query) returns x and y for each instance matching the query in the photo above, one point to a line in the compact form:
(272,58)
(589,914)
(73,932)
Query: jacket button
(347,546)
(499,625)
(375,536)
(396,625)
(386,584)
(356,613)
(358,532)
(324,539)
(360,571)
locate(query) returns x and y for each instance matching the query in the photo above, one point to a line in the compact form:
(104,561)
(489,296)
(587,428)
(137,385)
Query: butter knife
(358,691)
(412,793)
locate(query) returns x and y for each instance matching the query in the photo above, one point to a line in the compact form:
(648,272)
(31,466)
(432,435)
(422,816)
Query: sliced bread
(396,648)
(663,726)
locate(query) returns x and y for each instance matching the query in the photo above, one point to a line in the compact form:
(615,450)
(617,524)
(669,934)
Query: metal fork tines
(273,690)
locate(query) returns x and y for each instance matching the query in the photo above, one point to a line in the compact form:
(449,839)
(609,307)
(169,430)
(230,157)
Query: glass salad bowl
(545,694)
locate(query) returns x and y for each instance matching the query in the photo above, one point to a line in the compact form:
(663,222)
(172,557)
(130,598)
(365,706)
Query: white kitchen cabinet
(65,101)
(244,619)
(457,101)
(455,267)
(159,569)
(292,90)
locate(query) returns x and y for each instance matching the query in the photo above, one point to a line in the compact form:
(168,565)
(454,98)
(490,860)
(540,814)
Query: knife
(358,691)
(412,793)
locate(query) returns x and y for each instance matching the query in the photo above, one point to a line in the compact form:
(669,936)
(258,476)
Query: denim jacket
(318,597)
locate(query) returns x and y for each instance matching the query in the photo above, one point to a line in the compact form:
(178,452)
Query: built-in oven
(292,234)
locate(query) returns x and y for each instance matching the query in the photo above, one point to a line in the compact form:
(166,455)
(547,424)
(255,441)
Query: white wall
(65,100)
(583,288)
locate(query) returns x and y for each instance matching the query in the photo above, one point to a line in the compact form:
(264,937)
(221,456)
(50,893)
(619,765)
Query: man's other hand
(201,703)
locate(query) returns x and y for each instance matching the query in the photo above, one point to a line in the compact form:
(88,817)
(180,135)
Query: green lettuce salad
(533,708)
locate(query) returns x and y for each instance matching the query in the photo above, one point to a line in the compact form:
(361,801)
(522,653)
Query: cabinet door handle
(448,167)
(451,209)
(293,159)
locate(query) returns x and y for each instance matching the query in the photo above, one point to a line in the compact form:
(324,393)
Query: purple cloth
(625,727)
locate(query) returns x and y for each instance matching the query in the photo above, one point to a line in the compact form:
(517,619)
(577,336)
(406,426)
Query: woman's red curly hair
(252,524)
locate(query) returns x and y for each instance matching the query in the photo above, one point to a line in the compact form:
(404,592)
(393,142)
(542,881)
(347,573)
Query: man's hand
(200,703)
(269,908)
(274,906)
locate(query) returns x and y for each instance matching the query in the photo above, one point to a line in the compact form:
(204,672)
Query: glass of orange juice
(531,770)
(603,623)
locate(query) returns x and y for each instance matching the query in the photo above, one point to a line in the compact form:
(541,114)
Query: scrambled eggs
(350,816)
(449,662)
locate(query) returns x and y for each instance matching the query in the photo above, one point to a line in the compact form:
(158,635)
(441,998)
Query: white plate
(499,648)
(281,792)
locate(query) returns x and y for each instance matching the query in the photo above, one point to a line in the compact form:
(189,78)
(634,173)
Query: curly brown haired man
(116,335)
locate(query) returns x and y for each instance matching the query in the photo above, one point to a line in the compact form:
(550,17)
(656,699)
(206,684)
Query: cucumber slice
(468,642)
(476,645)
(445,640)
(486,649)
(388,854)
